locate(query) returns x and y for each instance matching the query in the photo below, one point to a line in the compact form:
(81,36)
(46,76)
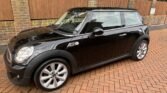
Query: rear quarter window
(132,18)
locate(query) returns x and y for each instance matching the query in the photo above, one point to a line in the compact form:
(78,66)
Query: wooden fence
(143,6)
(44,9)
(113,3)
(6,10)
(48,9)
(161,8)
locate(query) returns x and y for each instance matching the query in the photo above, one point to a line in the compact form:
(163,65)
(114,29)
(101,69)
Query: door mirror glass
(98,31)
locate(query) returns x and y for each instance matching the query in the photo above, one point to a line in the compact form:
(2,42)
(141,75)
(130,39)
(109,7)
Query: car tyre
(52,74)
(140,50)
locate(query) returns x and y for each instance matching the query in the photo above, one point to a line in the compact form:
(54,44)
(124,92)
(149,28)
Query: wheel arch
(144,37)
(38,60)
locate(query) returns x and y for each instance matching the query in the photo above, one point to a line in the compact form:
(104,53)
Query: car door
(98,49)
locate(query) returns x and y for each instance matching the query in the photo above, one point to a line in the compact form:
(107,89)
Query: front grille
(9,56)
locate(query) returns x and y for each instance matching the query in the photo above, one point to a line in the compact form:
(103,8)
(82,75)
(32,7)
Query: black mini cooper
(83,38)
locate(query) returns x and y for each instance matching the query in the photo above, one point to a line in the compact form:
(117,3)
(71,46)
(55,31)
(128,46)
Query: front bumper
(16,73)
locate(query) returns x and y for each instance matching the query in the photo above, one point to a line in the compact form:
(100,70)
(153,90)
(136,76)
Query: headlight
(23,54)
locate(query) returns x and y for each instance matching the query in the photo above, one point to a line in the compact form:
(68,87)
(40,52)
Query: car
(82,39)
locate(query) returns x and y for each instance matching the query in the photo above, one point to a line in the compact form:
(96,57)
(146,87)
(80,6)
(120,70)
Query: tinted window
(107,19)
(70,21)
(132,18)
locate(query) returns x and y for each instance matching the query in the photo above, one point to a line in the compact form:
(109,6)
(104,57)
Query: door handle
(124,34)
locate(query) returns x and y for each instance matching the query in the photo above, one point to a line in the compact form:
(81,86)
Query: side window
(108,19)
(132,18)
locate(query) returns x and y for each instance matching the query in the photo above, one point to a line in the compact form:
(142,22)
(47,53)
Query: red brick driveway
(125,76)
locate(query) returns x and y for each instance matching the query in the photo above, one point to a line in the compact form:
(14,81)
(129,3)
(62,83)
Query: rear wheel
(52,74)
(140,50)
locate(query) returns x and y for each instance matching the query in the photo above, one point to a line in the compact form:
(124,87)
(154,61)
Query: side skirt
(102,63)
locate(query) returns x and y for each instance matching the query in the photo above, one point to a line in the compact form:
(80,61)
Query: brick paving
(125,76)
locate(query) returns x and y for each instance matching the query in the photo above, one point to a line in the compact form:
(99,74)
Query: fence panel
(6,10)
(113,3)
(47,9)
(143,6)
(161,8)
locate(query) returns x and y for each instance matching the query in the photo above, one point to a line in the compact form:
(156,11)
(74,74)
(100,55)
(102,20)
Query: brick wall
(21,14)
(92,3)
(37,23)
(7,31)
(131,3)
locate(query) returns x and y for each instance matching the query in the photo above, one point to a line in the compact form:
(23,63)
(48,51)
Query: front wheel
(52,74)
(140,50)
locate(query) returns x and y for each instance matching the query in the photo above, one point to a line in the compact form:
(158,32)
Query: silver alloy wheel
(53,75)
(142,50)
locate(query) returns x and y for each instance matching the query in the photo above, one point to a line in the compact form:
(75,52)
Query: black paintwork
(92,50)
